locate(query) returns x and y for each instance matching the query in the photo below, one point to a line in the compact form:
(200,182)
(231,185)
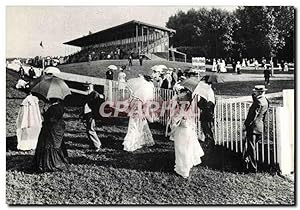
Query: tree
(262,31)
(209,30)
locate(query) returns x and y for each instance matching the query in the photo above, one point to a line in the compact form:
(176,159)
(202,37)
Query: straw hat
(259,88)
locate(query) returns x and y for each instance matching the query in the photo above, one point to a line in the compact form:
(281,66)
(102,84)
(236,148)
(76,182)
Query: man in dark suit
(91,112)
(254,125)
(109,74)
(267,74)
(207,109)
(31,72)
(21,72)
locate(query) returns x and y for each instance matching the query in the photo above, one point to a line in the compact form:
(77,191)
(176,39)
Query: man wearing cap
(90,113)
(254,125)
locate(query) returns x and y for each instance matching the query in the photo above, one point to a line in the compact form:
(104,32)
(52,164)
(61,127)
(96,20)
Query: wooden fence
(229,120)
(229,117)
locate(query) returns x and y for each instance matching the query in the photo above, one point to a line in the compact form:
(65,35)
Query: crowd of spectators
(107,53)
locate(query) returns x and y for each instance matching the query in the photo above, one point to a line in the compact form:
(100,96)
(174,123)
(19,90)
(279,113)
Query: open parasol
(52,70)
(199,88)
(51,87)
(141,89)
(112,67)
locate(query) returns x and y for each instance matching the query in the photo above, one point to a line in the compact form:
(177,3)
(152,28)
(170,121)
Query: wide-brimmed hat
(259,88)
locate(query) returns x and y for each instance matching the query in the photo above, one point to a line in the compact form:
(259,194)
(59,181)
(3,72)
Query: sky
(27,26)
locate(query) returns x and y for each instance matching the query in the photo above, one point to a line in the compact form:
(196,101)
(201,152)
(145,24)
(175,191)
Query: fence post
(285,133)
(108,90)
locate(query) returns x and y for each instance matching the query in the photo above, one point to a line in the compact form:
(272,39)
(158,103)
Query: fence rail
(229,117)
(229,121)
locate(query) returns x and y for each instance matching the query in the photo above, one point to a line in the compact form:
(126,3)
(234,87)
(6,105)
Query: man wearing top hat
(254,125)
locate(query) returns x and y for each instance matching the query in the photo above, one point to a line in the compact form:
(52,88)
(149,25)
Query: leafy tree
(210,30)
(258,31)
(263,31)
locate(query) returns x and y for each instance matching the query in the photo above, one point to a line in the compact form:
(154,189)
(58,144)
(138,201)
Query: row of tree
(247,32)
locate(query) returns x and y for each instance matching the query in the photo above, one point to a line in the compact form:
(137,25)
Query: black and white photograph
(157,105)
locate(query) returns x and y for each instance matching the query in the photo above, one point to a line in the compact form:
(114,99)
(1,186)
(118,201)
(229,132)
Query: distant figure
(254,125)
(243,63)
(174,78)
(238,68)
(214,65)
(31,73)
(233,65)
(267,74)
(22,84)
(109,74)
(218,66)
(223,66)
(157,80)
(54,62)
(29,123)
(122,83)
(282,65)
(21,72)
(51,153)
(179,73)
(247,62)
(286,67)
(166,84)
(141,60)
(264,62)
(272,67)
(256,65)
(130,60)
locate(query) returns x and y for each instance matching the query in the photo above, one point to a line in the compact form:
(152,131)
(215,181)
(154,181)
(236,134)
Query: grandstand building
(119,42)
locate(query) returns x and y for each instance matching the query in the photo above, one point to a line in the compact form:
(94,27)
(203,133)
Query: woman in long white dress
(188,151)
(122,84)
(138,133)
(29,123)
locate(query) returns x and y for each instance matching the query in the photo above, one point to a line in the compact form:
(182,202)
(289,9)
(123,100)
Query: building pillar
(142,43)
(136,36)
(147,40)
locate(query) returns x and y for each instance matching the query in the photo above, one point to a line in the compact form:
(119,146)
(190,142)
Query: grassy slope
(146,176)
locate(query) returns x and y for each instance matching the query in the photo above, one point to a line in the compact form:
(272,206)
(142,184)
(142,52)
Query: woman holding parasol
(138,133)
(188,151)
(51,154)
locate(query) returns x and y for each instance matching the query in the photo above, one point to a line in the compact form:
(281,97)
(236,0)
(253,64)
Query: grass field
(114,176)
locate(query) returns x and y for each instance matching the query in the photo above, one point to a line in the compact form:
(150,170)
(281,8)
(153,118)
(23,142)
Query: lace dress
(188,151)
(138,133)
(29,123)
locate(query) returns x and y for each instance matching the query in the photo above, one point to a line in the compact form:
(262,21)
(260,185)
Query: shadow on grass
(220,158)
(21,162)
(138,160)
(223,159)
(11,143)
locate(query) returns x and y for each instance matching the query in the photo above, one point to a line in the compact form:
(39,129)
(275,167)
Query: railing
(229,120)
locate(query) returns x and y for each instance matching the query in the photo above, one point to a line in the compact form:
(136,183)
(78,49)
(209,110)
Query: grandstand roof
(109,34)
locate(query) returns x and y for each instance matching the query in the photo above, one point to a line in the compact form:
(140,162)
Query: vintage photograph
(150,105)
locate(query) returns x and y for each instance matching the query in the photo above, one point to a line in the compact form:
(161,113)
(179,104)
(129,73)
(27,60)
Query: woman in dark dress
(51,154)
